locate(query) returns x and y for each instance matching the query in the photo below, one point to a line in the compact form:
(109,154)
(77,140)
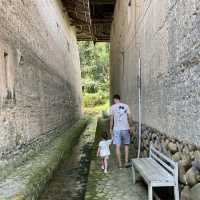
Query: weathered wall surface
(166,36)
(39,71)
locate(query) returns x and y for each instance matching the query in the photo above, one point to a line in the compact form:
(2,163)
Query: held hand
(111,133)
(132,131)
(112,137)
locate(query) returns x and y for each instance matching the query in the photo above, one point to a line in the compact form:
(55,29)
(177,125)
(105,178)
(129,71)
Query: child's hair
(104,135)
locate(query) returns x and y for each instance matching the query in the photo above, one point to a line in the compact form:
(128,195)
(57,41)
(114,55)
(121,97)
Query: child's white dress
(104,148)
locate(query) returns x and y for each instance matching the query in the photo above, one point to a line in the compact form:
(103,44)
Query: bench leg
(133,174)
(176,192)
(150,192)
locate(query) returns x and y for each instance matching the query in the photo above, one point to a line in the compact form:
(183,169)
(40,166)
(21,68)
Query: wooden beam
(76,7)
(72,5)
(72,2)
(78,4)
(78,21)
(102,40)
(102,2)
(102,37)
(96,29)
(102,21)
(77,11)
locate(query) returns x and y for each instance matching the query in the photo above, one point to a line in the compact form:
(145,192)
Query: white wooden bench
(158,171)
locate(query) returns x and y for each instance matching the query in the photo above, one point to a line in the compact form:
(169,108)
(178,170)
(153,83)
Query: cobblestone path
(115,185)
(69,181)
(72,182)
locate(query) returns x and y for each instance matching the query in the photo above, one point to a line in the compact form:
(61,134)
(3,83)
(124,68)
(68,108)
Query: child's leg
(102,164)
(106,163)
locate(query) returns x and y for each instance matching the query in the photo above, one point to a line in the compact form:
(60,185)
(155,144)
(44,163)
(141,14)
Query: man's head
(116,98)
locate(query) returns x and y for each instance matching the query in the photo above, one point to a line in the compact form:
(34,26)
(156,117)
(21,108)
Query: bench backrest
(168,164)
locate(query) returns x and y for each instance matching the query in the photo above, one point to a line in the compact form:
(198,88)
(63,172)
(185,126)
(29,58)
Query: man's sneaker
(102,167)
(105,171)
(128,164)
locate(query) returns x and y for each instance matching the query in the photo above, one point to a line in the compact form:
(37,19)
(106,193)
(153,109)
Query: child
(104,151)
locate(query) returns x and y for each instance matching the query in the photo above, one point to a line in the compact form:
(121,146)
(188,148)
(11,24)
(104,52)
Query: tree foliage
(95,75)
(94,66)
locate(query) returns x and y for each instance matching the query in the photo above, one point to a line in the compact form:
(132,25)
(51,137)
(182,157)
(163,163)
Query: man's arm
(130,121)
(129,116)
(111,125)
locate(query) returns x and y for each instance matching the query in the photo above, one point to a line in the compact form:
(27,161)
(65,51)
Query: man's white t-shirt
(104,147)
(120,112)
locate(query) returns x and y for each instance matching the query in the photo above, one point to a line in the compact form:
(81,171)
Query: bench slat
(158,171)
(148,163)
(167,167)
(152,171)
(161,169)
(152,168)
(162,156)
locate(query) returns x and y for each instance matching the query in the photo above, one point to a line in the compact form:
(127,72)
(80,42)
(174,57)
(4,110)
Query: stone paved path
(69,181)
(116,185)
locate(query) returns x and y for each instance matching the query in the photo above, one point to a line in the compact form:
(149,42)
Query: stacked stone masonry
(40,89)
(187,156)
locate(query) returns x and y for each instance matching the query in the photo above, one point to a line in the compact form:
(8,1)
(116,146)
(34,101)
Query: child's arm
(110,141)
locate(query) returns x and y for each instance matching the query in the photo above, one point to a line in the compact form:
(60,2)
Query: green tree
(94,61)
(94,66)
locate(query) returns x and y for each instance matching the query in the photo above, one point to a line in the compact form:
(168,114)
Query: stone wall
(165,35)
(186,155)
(39,72)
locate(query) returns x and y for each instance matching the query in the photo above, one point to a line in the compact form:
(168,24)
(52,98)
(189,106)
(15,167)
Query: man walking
(119,128)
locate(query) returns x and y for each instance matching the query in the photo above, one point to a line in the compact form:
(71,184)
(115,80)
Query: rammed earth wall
(39,72)
(165,35)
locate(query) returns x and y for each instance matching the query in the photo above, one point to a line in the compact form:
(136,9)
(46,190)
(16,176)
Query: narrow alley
(61,64)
